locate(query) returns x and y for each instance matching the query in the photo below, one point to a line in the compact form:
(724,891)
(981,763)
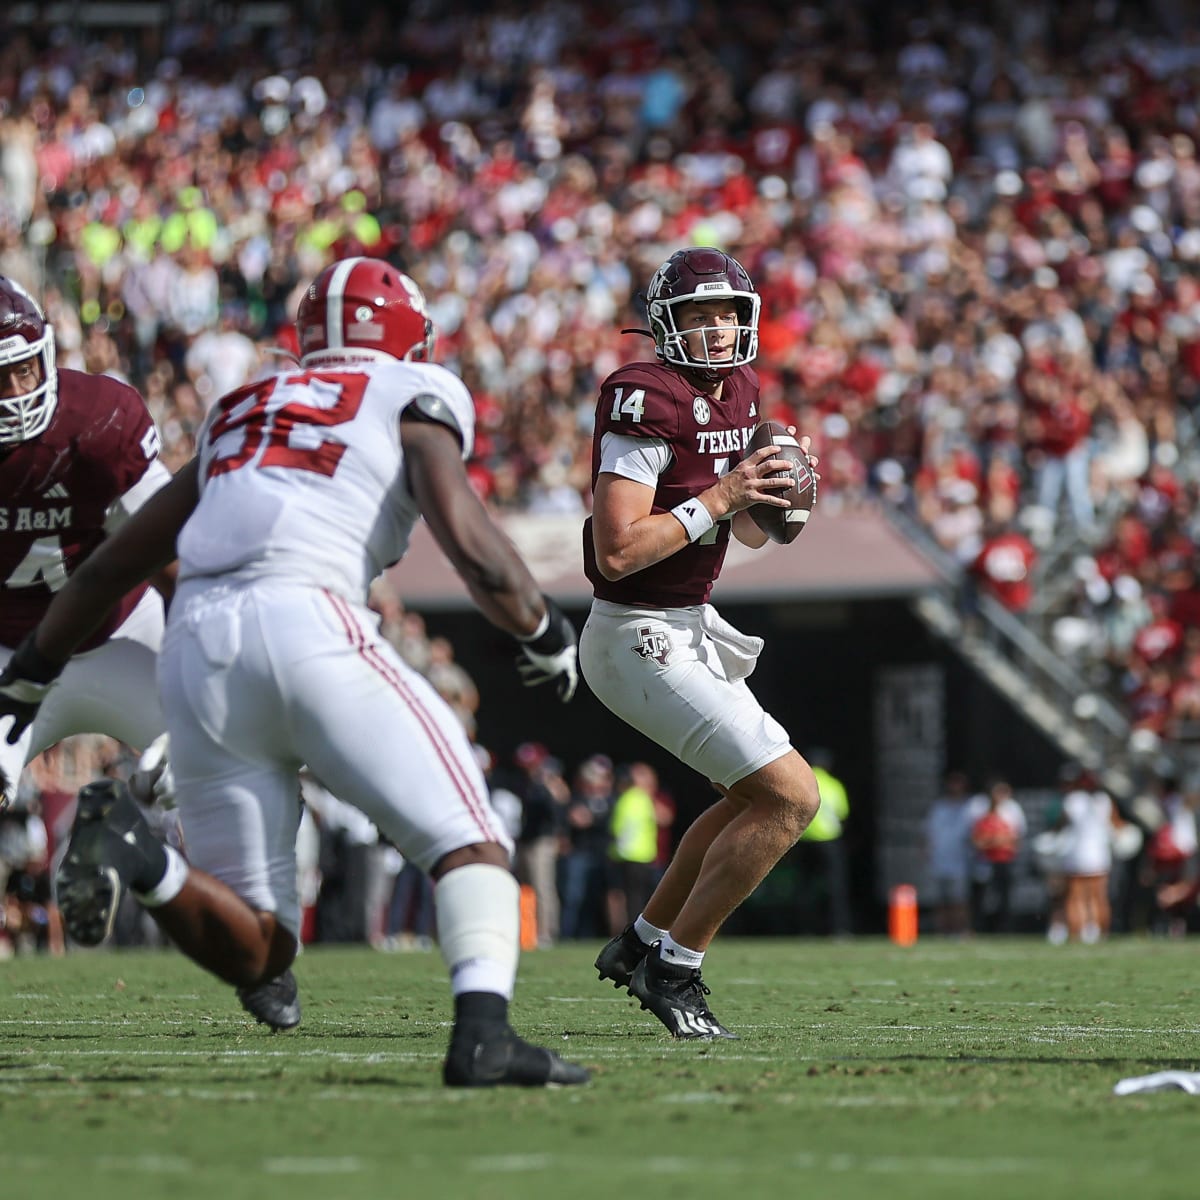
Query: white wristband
(694,517)
(543,625)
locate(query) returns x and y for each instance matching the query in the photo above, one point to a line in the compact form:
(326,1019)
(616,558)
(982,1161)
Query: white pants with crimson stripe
(258,679)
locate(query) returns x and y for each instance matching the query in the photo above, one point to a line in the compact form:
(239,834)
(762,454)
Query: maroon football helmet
(363,310)
(25,334)
(701,273)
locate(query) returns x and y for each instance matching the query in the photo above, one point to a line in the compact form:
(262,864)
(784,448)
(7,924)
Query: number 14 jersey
(706,438)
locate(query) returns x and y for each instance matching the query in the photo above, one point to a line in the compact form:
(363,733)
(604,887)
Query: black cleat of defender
(675,995)
(275,1003)
(111,848)
(619,958)
(497,1058)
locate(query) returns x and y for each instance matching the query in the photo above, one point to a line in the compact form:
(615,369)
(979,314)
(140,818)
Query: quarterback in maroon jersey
(78,454)
(671,486)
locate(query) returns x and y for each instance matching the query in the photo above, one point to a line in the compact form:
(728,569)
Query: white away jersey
(302,475)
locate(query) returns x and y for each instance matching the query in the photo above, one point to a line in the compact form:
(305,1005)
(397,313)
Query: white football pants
(260,678)
(109,690)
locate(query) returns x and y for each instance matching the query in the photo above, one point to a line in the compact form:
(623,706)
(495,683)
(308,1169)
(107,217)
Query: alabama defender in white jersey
(307,485)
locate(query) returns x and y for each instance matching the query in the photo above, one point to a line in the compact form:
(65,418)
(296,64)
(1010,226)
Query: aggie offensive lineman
(79,456)
(670,486)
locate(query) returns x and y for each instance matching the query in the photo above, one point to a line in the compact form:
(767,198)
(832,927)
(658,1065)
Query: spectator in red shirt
(997,825)
(1184,601)
(1003,567)
(1060,427)
(1161,639)
(1128,550)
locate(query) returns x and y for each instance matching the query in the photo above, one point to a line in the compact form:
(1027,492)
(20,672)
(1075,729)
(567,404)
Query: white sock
(479,928)
(1090,934)
(681,956)
(170,885)
(647,932)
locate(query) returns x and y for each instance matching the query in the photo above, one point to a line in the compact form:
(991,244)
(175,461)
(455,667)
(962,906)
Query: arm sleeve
(123,507)
(638,458)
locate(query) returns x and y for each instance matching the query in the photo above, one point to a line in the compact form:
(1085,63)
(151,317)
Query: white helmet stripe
(16,287)
(333,302)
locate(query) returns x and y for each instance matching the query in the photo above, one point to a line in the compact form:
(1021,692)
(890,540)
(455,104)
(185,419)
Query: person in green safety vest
(192,222)
(823,843)
(633,849)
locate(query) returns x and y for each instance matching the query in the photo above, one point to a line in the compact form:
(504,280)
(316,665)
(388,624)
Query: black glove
(551,655)
(24,684)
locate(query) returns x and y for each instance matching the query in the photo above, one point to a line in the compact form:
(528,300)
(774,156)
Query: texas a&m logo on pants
(653,643)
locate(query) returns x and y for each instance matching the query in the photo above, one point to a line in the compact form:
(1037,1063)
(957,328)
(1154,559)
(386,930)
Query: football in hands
(783,525)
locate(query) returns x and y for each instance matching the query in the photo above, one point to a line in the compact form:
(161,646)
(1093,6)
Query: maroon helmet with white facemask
(701,273)
(363,310)
(25,334)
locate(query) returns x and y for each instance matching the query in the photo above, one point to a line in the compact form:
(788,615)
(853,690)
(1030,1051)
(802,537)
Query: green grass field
(983,1069)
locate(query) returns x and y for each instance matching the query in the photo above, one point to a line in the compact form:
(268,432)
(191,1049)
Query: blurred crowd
(977,239)
(1068,860)
(589,845)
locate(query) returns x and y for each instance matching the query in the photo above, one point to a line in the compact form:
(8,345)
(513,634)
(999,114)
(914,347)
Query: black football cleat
(275,1003)
(111,848)
(619,958)
(675,995)
(486,1057)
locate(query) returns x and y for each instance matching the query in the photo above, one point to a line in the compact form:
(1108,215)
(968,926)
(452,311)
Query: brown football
(783,525)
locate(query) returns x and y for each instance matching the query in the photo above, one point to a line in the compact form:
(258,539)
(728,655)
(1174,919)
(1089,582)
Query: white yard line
(690,1166)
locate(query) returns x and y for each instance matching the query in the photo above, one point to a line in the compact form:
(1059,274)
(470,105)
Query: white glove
(153,782)
(552,655)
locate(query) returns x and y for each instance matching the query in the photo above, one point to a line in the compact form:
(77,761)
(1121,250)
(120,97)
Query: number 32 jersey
(706,438)
(302,475)
(63,491)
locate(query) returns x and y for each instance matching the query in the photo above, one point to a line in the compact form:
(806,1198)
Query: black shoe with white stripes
(676,996)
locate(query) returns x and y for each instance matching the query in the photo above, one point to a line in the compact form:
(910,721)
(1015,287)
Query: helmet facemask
(26,416)
(672,342)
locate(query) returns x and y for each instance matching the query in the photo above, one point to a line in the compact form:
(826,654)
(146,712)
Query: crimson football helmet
(25,334)
(363,310)
(701,273)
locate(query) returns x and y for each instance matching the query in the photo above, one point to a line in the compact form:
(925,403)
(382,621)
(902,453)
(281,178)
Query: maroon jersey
(56,490)
(706,438)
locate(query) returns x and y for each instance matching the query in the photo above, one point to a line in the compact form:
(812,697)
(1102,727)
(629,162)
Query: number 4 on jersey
(44,564)
(634,406)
